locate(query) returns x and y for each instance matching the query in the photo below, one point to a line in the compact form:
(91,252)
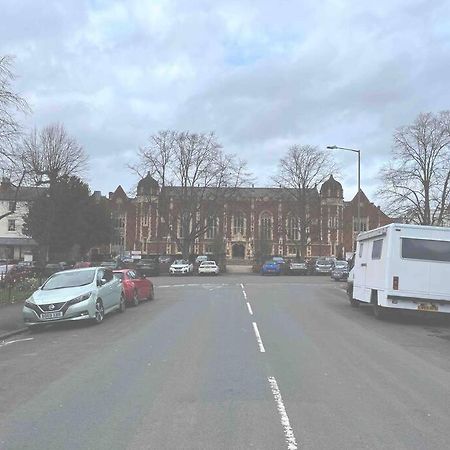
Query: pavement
(11,321)
(231,362)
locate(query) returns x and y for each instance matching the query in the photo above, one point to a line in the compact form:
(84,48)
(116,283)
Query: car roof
(81,269)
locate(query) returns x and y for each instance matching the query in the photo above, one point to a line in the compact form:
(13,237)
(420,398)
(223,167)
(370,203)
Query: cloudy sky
(261,74)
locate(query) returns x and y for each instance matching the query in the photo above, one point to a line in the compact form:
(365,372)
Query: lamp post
(335,147)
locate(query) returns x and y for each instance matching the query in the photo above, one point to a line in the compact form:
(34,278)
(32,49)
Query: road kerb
(12,333)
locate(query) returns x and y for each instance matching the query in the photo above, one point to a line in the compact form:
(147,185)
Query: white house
(14,244)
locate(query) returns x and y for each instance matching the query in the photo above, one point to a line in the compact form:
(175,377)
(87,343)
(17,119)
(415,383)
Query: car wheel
(99,311)
(135,301)
(122,304)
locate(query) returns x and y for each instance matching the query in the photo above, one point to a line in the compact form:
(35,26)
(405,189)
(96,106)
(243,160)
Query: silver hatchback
(79,294)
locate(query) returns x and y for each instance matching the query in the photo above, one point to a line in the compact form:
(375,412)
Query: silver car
(79,294)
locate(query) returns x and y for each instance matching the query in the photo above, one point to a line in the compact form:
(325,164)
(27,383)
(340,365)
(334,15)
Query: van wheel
(379,312)
(353,302)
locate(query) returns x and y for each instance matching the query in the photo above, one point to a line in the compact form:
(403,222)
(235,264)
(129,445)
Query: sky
(262,75)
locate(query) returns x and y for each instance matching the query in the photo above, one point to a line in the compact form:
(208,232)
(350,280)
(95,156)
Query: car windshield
(208,263)
(69,279)
(341,264)
(180,262)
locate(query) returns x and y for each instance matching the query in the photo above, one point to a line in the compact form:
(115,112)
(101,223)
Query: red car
(135,288)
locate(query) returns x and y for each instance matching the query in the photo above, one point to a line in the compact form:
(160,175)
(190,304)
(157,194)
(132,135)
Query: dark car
(298,267)
(340,271)
(324,266)
(148,266)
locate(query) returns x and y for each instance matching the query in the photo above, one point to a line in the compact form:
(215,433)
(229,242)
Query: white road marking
(243,291)
(4,344)
(258,338)
(249,309)
(288,432)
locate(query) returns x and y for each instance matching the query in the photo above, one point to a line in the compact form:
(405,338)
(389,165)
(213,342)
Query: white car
(181,267)
(208,267)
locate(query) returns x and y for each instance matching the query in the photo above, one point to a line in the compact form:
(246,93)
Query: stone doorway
(238,251)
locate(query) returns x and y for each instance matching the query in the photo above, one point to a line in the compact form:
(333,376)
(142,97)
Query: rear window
(426,249)
(377,248)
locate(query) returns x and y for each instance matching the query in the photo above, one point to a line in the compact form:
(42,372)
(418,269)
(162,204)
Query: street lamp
(335,147)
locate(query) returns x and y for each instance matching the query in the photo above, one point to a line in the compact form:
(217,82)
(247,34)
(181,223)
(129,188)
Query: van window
(426,249)
(361,246)
(377,248)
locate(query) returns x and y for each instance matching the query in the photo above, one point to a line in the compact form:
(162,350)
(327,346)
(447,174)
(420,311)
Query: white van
(403,267)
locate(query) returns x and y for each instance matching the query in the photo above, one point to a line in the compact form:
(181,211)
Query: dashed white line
(243,291)
(4,344)
(288,431)
(249,309)
(258,338)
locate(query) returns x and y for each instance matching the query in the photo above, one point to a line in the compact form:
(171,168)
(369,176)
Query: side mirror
(143,276)
(101,282)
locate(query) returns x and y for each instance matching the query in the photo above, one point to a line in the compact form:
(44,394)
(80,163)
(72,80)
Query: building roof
(332,188)
(17,241)
(147,184)
(247,192)
(25,194)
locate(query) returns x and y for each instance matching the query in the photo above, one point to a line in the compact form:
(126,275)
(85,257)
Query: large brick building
(251,216)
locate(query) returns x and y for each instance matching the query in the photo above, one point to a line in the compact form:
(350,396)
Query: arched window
(212,224)
(239,223)
(265,224)
(292,228)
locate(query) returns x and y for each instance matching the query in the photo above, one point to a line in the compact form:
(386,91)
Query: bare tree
(196,177)
(415,183)
(11,103)
(299,172)
(51,153)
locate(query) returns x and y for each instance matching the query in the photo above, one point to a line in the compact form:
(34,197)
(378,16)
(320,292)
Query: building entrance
(238,251)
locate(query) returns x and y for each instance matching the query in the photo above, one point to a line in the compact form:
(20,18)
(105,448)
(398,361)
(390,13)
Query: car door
(114,288)
(103,288)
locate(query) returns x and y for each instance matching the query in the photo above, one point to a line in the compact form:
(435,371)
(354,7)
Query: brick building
(252,217)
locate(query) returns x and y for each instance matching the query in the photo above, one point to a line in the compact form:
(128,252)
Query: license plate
(51,315)
(427,307)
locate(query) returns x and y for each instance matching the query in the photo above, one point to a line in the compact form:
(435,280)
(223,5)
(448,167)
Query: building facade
(14,244)
(253,220)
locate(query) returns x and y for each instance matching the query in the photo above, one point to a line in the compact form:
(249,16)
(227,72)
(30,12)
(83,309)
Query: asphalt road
(199,368)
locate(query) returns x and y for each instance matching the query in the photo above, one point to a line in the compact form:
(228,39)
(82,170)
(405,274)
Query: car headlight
(29,303)
(80,298)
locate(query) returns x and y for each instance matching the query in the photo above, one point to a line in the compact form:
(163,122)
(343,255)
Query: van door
(360,272)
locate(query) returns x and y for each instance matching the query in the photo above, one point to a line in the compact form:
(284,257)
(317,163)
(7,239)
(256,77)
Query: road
(233,362)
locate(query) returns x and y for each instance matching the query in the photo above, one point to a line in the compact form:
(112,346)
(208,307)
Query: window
(293,229)
(266,226)
(363,224)
(426,249)
(12,206)
(239,224)
(377,248)
(361,247)
(11,225)
(211,231)
(131,274)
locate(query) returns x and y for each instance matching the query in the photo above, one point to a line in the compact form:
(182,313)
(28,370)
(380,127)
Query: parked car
(164,259)
(340,271)
(71,295)
(109,264)
(135,288)
(51,268)
(148,266)
(181,267)
(271,267)
(201,258)
(208,268)
(298,267)
(324,266)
